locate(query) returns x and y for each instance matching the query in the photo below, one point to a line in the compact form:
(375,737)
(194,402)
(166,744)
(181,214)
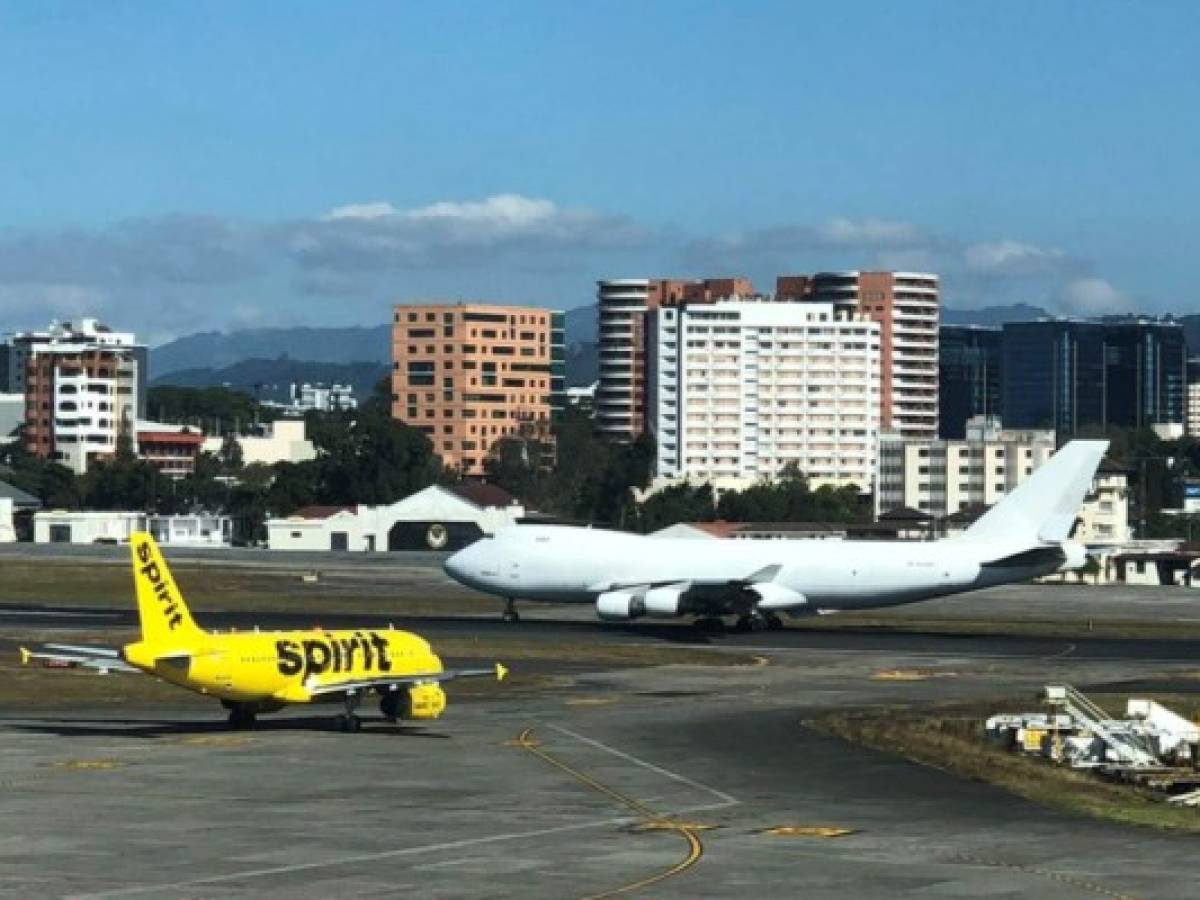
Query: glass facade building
(1053,375)
(1145,373)
(969,382)
(1070,375)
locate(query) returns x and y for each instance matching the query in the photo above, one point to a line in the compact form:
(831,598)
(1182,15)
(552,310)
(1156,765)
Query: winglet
(501,671)
(26,655)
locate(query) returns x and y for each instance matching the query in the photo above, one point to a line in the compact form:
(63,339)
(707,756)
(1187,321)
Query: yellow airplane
(256,672)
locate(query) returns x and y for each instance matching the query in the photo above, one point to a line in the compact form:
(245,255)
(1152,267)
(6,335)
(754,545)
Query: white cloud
(1012,257)
(374,210)
(870,233)
(1092,297)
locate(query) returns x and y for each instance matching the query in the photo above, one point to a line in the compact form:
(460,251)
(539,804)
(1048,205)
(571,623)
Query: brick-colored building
(78,401)
(172,449)
(469,374)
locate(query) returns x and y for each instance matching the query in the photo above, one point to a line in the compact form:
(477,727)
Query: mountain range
(362,355)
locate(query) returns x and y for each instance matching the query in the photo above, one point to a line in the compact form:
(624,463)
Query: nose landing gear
(510,613)
(348,721)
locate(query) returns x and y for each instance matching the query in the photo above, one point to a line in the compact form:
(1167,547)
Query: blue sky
(177,166)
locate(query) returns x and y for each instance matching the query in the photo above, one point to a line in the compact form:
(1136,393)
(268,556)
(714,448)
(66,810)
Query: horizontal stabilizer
(1038,556)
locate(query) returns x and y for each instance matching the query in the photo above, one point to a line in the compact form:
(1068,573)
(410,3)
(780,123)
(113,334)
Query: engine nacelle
(1075,556)
(619,606)
(663,601)
(420,701)
(775,596)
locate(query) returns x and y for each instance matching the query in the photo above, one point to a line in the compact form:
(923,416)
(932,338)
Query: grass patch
(1066,629)
(214,589)
(951,737)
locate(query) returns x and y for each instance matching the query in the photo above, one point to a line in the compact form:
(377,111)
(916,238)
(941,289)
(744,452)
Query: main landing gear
(241,716)
(348,721)
(510,613)
(757,621)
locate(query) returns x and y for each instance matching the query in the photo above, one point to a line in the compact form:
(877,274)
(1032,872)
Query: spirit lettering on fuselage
(315,656)
(162,587)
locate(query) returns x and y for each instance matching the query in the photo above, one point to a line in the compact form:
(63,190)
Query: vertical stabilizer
(1043,508)
(164,616)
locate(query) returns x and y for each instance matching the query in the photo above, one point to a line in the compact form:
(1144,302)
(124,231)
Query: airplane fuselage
(569,564)
(282,666)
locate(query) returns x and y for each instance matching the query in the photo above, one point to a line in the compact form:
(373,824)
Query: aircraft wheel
(349,723)
(510,614)
(389,705)
(774,623)
(241,718)
(752,623)
(710,623)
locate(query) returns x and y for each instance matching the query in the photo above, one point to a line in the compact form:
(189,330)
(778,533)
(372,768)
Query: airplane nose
(460,565)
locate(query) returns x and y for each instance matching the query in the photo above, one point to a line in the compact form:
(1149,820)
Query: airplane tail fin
(1043,508)
(163,613)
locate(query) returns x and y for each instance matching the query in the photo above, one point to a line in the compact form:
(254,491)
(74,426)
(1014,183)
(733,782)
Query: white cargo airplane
(628,576)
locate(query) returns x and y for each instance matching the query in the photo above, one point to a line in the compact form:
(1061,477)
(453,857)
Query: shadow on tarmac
(151,728)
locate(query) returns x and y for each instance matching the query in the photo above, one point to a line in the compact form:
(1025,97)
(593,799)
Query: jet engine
(616,606)
(421,701)
(664,601)
(773,596)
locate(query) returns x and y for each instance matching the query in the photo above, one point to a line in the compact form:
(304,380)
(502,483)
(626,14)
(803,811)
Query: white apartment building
(1192,409)
(1104,516)
(941,477)
(739,390)
(906,306)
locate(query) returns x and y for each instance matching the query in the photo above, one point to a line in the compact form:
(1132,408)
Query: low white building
(60,526)
(943,477)
(436,518)
(280,441)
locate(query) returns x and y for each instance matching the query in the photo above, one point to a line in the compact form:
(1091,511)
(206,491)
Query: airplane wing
(393,682)
(70,656)
(698,585)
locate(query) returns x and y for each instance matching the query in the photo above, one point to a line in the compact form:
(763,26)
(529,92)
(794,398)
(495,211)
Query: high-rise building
(740,390)
(1192,413)
(1145,373)
(1072,375)
(906,306)
(940,477)
(16,350)
(469,374)
(969,360)
(622,305)
(1053,375)
(79,400)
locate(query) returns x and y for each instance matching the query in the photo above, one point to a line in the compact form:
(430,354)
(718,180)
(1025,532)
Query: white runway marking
(658,770)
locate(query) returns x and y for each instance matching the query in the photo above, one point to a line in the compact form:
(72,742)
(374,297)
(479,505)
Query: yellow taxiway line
(653,821)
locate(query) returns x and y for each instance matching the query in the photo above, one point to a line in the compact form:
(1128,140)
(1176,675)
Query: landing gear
(390,705)
(774,623)
(753,622)
(348,721)
(711,624)
(510,614)
(241,717)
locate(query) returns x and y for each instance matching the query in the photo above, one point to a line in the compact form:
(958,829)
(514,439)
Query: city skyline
(179,170)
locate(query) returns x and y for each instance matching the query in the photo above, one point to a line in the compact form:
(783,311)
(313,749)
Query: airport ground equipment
(262,671)
(1126,741)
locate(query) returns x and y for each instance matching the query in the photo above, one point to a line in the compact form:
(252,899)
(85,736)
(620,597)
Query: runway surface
(547,627)
(594,780)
